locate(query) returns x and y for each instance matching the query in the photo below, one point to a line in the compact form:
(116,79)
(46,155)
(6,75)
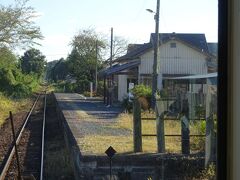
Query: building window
(173,45)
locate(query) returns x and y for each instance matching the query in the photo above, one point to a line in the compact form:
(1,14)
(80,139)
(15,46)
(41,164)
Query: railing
(185,114)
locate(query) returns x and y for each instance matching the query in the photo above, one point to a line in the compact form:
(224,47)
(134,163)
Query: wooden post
(160,126)
(137,126)
(104,90)
(210,135)
(185,127)
(15,146)
(191,99)
(108,98)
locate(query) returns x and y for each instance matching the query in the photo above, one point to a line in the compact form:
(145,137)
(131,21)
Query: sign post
(110,153)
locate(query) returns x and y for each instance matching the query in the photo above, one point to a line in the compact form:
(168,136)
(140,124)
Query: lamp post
(156,64)
(96,68)
(156,82)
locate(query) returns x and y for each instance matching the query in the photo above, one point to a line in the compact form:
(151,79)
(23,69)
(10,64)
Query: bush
(70,88)
(142,91)
(6,79)
(17,85)
(198,143)
(20,91)
(209,172)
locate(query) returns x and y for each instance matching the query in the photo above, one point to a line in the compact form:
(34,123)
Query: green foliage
(49,67)
(57,70)
(63,86)
(7,79)
(20,90)
(70,88)
(33,62)
(142,91)
(13,82)
(7,59)
(82,60)
(143,94)
(5,106)
(209,172)
(58,87)
(80,68)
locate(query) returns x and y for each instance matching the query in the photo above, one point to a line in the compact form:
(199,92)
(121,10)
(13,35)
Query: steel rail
(43,136)
(8,162)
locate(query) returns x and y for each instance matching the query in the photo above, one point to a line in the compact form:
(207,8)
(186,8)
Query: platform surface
(89,119)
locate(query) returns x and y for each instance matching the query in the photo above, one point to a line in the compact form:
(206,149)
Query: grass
(119,134)
(98,136)
(7,104)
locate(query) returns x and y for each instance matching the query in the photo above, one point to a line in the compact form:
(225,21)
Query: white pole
(91,89)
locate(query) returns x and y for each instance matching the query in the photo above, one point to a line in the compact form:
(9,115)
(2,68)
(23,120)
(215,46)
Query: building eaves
(118,68)
(136,52)
(196,40)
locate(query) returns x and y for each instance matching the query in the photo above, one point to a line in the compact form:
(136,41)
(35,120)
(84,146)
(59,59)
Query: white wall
(122,86)
(179,60)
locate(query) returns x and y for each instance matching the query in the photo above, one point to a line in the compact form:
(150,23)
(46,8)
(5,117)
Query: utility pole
(110,87)
(156,64)
(96,69)
(111,48)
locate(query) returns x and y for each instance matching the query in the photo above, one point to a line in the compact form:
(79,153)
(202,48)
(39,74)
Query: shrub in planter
(143,93)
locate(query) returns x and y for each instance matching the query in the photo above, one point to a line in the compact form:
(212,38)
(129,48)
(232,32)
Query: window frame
(222,126)
(173,45)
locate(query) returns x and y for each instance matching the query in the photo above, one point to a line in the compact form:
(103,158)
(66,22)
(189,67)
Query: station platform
(88,118)
(84,118)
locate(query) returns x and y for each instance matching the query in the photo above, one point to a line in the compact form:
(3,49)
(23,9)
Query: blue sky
(60,20)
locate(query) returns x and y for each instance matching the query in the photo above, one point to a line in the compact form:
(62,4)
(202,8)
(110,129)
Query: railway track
(30,146)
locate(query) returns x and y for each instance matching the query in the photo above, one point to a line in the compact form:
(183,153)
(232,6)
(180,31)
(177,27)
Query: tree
(17,28)
(7,58)
(82,59)
(85,43)
(8,66)
(49,67)
(57,70)
(33,62)
(12,81)
(120,46)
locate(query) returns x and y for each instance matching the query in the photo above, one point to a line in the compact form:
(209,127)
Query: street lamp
(149,10)
(155,56)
